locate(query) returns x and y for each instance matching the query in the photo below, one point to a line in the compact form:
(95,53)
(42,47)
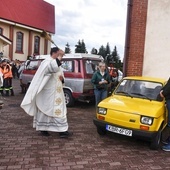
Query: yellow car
(134,109)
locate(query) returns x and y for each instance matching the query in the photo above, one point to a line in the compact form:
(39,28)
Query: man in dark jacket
(165,93)
(100,81)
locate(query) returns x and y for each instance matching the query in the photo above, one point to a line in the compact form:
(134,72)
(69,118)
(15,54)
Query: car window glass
(91,66)
(67,66)
(140,88)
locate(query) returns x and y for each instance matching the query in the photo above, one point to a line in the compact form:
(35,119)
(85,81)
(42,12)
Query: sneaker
(65,134)
(166,147)
(167,141)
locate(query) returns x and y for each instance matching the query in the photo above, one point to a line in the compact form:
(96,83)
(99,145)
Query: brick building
(147,38)
(21,24)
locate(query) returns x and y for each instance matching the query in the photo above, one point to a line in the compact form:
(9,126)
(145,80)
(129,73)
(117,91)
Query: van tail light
(142,127)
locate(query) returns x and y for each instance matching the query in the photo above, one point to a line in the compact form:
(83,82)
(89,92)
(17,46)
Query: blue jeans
(100,95)
(168,108)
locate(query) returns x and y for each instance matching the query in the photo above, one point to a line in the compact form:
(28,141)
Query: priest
(45,99)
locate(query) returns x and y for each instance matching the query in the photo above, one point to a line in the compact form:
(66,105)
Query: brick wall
(135,46)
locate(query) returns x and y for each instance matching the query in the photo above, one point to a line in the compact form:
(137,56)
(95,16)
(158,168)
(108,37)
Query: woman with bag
(100,81)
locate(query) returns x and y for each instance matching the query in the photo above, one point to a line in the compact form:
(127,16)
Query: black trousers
(8,86)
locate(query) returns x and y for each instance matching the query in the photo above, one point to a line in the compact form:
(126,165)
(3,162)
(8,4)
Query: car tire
(154,145)
(68,98)
(101,131)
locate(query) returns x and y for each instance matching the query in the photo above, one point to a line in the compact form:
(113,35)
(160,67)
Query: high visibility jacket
(113,72)
(7,71)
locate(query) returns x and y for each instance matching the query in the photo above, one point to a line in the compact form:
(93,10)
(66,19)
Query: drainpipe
(127,38)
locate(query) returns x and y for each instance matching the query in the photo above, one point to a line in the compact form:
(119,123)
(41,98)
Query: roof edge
(23,25)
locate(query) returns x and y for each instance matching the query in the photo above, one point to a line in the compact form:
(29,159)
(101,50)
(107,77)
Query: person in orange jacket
(7,74)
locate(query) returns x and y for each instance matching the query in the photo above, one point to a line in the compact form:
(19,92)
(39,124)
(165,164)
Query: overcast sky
(95,21)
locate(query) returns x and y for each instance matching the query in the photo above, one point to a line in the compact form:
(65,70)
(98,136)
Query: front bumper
(137,133)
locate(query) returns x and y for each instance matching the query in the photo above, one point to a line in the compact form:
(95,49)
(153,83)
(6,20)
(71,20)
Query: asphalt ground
(21,147)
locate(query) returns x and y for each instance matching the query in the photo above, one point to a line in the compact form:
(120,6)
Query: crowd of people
(6,88)
(8,71)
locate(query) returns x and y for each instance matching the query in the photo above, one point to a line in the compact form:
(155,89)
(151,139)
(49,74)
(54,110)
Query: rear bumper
(84,97)
(141,134)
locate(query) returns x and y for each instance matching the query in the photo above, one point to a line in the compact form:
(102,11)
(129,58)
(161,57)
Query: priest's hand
(61,78)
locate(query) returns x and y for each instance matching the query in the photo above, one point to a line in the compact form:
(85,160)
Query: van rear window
(91,66)
(68,66)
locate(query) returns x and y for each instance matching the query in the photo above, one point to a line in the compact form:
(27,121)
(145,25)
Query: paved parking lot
(21,147)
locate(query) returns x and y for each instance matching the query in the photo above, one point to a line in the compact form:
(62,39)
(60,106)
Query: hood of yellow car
(133,105)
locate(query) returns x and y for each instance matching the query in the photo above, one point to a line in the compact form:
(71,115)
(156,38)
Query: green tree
(108,49)
(108,54)
(102,51)
(67,49)
(83,47)
(94,51)
(115,55)
(78,47)
(116,59)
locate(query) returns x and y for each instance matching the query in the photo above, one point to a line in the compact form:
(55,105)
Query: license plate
(118,130)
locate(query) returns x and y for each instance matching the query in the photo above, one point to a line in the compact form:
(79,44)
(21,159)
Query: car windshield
(140,89)
(91,66)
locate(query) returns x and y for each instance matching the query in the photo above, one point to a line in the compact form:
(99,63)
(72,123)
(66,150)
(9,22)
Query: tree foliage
(102,51)
(80,47)
(107,49)
(94,51)
(115,55)
(67,49)
(110,57)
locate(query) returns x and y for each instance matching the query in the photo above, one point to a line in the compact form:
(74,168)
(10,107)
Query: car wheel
(68,98)
(156,141)
(101,131)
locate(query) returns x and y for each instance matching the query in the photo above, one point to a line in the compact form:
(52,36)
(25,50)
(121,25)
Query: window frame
(21,44)
(38,46)
(68,63)
(1,31)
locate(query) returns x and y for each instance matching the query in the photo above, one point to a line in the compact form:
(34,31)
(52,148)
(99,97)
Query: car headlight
(146,120)
(102,111)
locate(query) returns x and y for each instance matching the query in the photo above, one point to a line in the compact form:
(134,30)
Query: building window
(1,31)
(36,45)
(19,43)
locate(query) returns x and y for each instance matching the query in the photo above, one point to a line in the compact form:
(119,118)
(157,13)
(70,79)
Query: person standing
(1,81)
(45,99)
(165,93)
(20,71)
(100,81)
(7,74)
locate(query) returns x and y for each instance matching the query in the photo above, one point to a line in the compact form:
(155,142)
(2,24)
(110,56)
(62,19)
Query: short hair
(54,50)
(102,64)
